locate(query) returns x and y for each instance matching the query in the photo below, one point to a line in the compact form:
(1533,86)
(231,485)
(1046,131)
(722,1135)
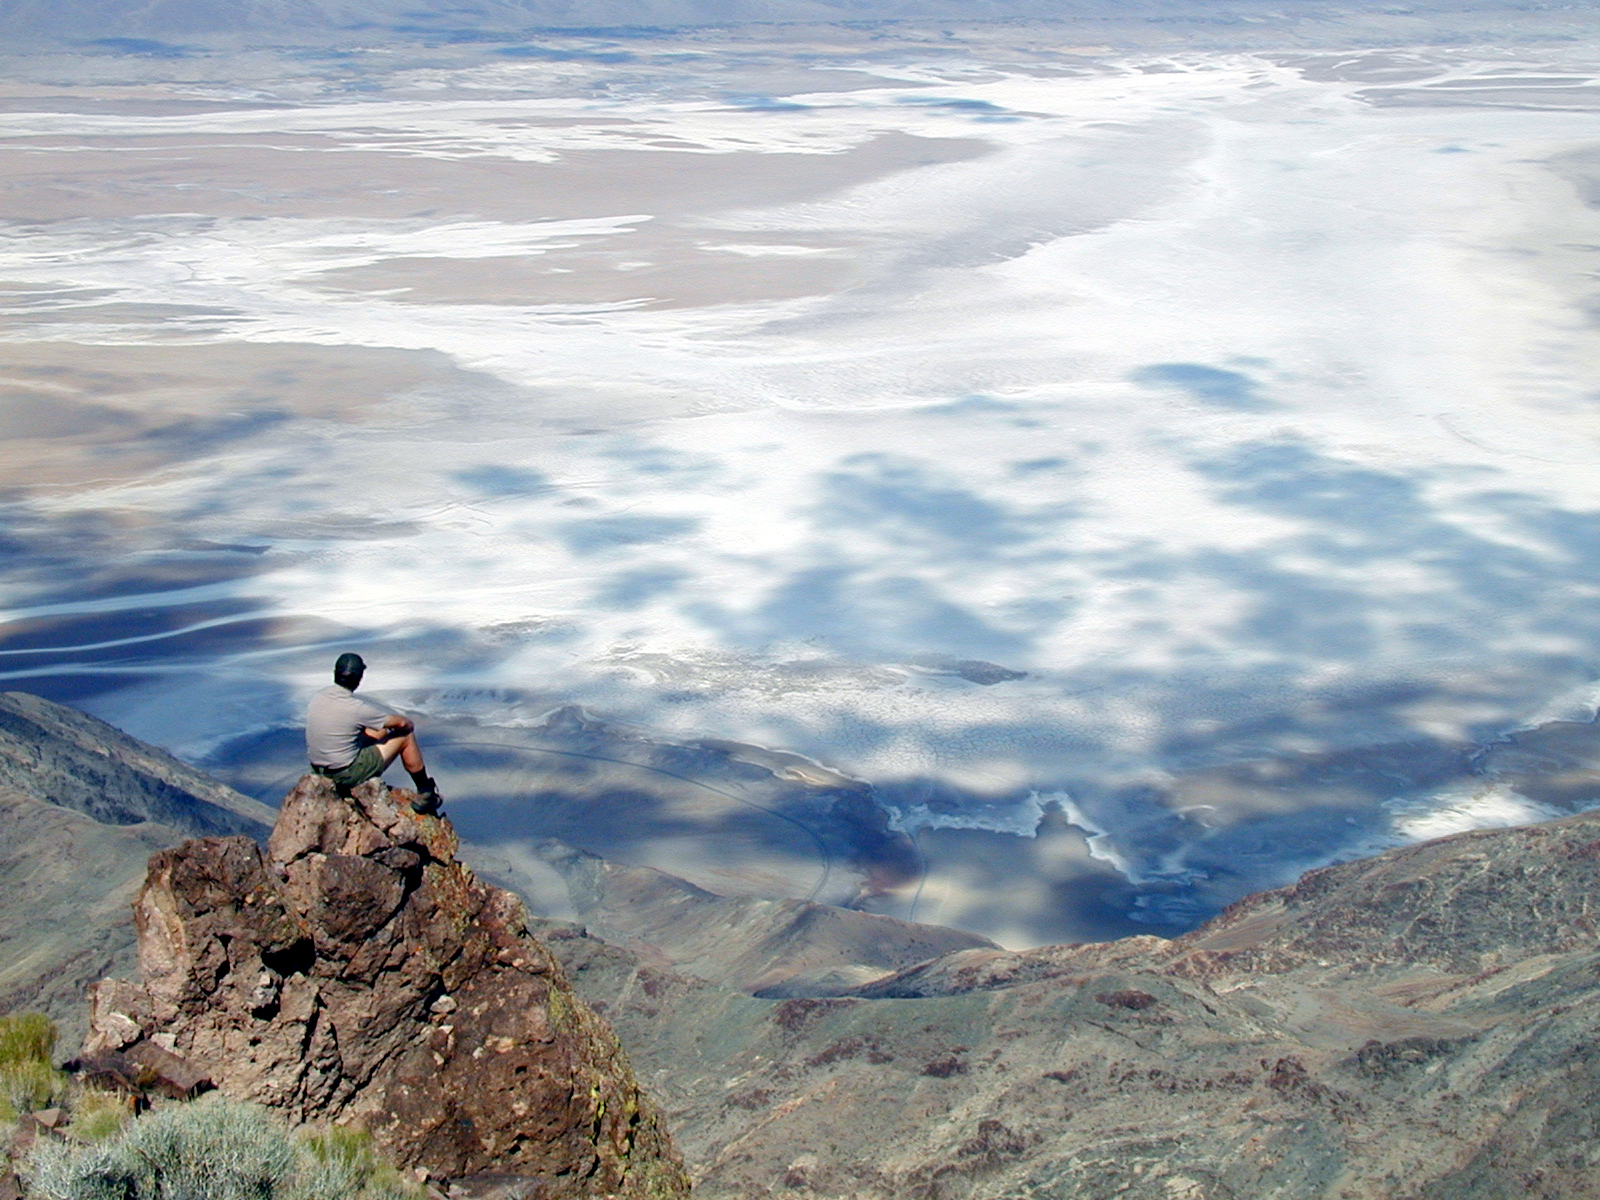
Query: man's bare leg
(405,747)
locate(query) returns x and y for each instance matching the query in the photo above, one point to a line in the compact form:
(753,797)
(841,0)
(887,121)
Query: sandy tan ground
(72,414)
(656,266)
(299,176)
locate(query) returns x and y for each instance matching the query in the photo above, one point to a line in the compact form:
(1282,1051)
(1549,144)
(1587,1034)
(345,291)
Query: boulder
(357,973)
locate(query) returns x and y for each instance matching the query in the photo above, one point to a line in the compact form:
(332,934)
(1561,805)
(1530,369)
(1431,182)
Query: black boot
(427,803)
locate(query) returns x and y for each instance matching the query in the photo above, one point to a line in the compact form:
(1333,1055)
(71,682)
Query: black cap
(348,666)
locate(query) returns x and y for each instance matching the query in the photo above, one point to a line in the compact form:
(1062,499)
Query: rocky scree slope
(357,972)
(1420,1025)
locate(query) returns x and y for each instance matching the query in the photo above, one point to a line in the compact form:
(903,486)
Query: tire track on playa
(922,873)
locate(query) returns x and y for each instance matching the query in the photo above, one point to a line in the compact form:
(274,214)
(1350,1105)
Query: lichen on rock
(357,973)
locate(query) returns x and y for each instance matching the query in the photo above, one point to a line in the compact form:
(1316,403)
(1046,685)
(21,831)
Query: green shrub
(27,1080)
(343,1162)
(28,1037)
(98,1114)
(29,1086)
(215,1149)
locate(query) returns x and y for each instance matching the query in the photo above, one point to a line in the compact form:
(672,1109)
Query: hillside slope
(1420,1024)
(67,884)
(776,948)
(83,806)
(62,756)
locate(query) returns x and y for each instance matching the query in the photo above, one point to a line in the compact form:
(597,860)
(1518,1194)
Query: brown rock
(27,1134)
(169,1074)
(359,974)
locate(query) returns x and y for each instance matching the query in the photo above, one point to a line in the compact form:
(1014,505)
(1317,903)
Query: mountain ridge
(1466,925)
(132,23)
(62,756)
(1267,1053)
(1418,1025)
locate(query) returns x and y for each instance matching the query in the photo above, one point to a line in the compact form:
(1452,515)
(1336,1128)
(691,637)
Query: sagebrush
(216,1149)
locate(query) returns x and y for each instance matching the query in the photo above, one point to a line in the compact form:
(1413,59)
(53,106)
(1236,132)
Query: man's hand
(393,726)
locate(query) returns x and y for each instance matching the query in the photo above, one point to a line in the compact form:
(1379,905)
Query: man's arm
(393,725)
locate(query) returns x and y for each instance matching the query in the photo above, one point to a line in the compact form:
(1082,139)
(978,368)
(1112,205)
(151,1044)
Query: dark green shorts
(367,764)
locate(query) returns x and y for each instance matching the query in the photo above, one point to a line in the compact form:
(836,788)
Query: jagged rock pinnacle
(358,973)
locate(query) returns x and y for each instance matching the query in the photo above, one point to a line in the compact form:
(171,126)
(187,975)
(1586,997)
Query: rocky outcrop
(358,973)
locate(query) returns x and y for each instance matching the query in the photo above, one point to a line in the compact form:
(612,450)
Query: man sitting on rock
(351,741)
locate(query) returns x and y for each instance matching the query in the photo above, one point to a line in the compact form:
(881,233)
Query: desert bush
(343,1162)
(98,1114)
(215,1149)
(26,1037)
(200,1151)
(27,1087)
(28,1081)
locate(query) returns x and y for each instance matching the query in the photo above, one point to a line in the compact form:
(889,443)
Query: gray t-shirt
(334,721)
